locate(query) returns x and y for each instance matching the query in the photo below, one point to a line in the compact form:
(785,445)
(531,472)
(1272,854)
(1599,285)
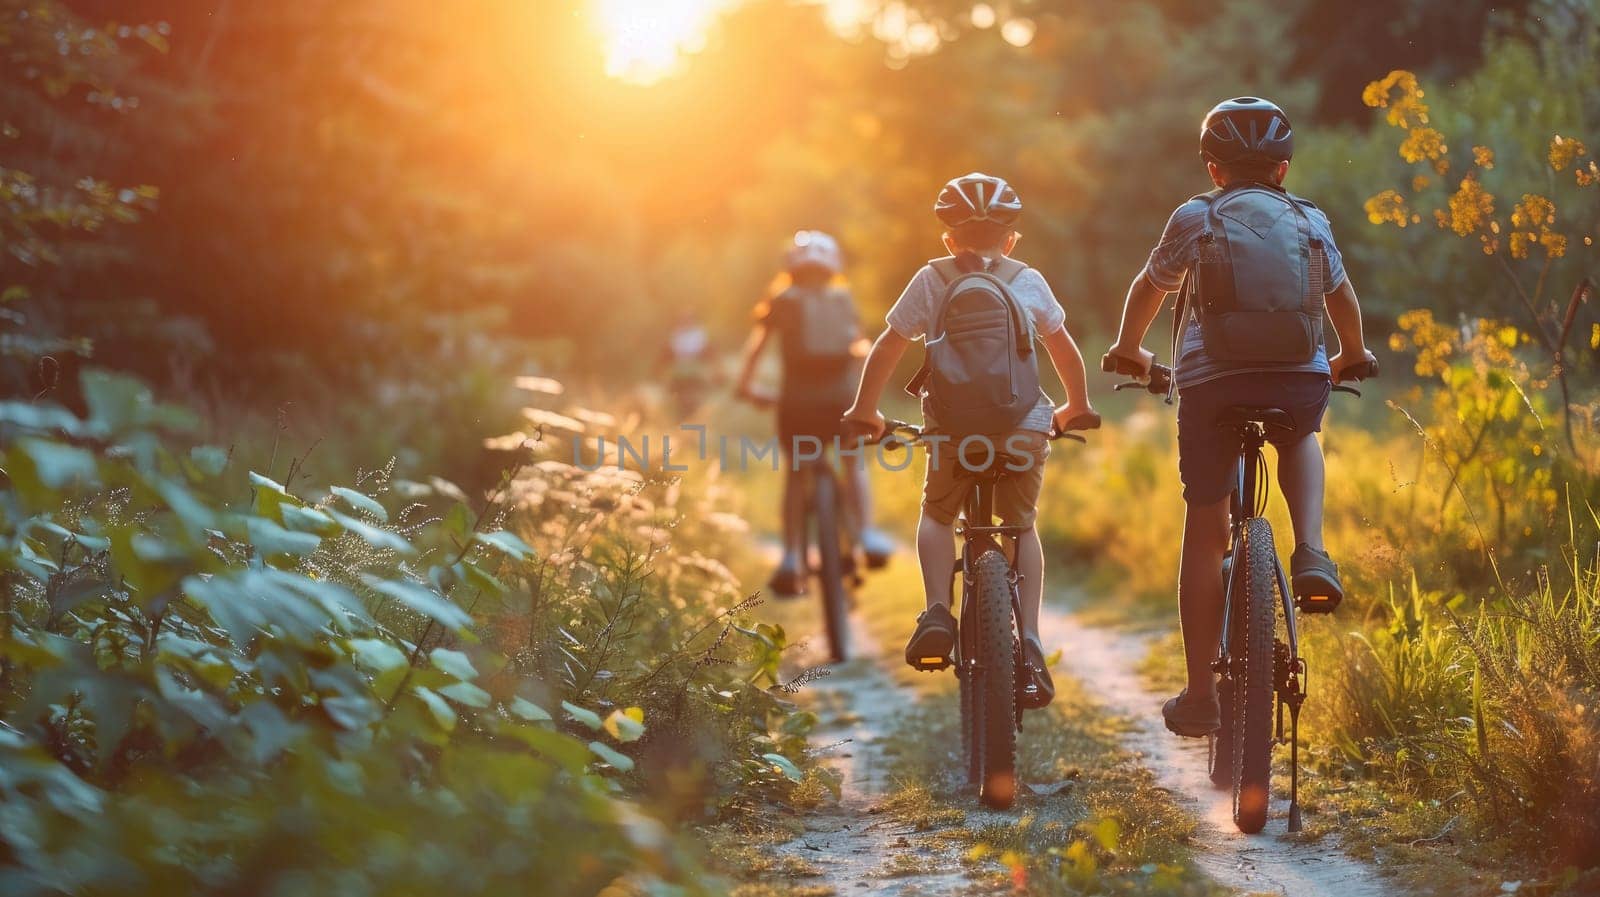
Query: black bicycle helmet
(977,197)
(1246,129)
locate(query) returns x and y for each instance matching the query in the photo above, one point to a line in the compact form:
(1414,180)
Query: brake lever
(1072,436)
(1131,384)
(1340,387)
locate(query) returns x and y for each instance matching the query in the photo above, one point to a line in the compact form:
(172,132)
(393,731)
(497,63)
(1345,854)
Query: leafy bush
(214,684)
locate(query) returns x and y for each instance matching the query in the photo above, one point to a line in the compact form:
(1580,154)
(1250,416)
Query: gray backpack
(1256,282)
(981,370)
(822,328)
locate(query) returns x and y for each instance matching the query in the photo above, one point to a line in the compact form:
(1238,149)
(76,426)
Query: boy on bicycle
(979,213)
(1267,358)
(814,317)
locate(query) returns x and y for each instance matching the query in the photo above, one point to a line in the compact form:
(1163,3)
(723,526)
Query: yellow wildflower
(1564,150)
(1420,183)
(1555,245)
(1533,211)
(1388,206)
(1405,106)
(1483,157)
(1471,207)
(1423,143)
(1594,337)
(1519,243)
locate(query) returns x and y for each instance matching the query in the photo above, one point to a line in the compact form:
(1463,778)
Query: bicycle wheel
(971,741)
(1220,761)
(825,510)
(1251,661)
(994,689)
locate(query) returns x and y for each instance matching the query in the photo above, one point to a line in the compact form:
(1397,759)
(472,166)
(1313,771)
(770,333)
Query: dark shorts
(1208,452)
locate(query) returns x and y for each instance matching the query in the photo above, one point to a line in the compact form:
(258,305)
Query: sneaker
(788,581)
(1038,689)
(877,546)
(1191,717)
(930,646)
(1314,579)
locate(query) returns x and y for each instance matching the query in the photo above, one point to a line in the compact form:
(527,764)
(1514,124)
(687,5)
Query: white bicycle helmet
(977,197)
(813,248)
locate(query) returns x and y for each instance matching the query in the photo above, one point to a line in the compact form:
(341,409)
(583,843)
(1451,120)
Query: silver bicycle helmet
(977,197)
(814,248)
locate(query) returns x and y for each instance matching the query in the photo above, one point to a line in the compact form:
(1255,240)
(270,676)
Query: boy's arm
(863,416)
(1144,302)
(747,367)
(1068,362)
(1344,312)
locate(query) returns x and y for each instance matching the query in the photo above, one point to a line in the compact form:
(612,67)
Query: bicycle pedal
(1317,604)
(932,664)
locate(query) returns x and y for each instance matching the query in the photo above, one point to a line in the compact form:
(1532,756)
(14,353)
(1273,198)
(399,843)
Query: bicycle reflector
(1319,604)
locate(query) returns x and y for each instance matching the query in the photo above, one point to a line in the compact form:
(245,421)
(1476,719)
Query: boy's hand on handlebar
(1069,417)
(1133,362)
(857,422)
(1353,365)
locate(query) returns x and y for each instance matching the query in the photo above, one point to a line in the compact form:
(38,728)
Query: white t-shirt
(917,309)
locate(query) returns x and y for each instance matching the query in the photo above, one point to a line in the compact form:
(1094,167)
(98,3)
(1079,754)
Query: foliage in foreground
(216,684)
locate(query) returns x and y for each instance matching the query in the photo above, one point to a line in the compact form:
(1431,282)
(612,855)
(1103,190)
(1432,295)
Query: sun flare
(646,40)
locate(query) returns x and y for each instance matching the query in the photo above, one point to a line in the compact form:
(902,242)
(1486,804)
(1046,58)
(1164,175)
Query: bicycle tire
(971,752)
(994,690)
(1219,763)
(830,572)
(1252,663)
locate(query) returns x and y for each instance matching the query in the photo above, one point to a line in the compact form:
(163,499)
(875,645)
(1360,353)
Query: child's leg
(1030,566)
(1200,593)
(936,553)
(1301,477)
(794,513)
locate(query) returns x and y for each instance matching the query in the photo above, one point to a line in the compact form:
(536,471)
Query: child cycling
(814,317)
(1257,266)
(979,213)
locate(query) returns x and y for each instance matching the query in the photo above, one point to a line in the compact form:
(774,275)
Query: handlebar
(1157,381)
(1086,421)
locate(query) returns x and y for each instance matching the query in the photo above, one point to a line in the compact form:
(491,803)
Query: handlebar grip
(1116,364)
(1160,379)
(1366,370)
(1089,420)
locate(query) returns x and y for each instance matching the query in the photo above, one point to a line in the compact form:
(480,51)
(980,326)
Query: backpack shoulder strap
(1008,269)
(947,268)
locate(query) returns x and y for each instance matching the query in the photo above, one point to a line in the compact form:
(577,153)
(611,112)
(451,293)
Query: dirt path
(1271,862)
(858,849)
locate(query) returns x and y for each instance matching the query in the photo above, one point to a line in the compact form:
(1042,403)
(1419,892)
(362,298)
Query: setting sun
(644,40)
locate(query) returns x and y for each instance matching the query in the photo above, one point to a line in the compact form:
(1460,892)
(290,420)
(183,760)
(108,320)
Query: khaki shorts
(1020,457)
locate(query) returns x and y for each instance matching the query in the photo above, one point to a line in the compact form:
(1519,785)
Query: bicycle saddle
(1273,419)
(979,463)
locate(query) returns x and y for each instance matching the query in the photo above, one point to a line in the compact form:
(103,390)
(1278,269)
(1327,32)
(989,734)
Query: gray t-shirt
(1177,252)
(917,309)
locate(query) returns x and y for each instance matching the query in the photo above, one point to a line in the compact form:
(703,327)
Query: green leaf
(507,542)
(455,663)
(115,401)
(481,579)
(361,502)
(528,710)
(785,766)
(625,725)
(377,538)
(420,600)
(620,762)
(458,522)
(587,717)
(376,654)
(466,693)
(57,464)
(210,460)
(271,539)
(307,520)
(438,707)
